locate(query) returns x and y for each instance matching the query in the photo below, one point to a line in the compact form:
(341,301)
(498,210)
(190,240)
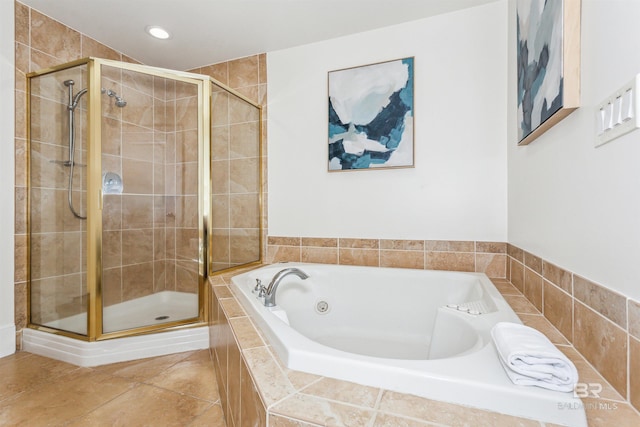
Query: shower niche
(123,212)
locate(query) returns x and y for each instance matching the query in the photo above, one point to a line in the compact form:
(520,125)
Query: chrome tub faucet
(269,293)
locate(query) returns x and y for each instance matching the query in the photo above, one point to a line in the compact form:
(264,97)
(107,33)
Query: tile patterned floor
(174,390)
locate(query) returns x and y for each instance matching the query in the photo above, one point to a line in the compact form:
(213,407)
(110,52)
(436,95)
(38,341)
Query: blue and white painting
(371,116)
(539,59)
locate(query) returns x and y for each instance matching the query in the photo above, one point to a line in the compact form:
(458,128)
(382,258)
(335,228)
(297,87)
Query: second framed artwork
(548,64)
(371,116)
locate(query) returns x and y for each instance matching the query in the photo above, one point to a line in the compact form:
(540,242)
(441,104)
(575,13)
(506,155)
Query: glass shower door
(236,167)
(57,199)
(151,237)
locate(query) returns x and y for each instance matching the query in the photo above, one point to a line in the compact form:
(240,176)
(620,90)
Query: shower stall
(124,220)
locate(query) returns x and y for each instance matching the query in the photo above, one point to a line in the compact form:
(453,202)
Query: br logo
(587,390)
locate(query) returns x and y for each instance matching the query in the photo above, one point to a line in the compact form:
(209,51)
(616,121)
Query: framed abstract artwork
(371,116)
(548,56)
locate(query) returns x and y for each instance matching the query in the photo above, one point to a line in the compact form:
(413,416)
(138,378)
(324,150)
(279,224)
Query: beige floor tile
(143,369)
(60,394)
(67,397)
(146,405)
(24,371)
(13,357)
(193,376)
(212,417)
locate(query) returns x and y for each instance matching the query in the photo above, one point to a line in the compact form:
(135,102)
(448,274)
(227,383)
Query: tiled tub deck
(257,390)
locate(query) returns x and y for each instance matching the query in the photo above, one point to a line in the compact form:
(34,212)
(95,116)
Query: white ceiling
(211,31)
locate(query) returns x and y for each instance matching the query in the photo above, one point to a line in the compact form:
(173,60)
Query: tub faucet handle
(260,289)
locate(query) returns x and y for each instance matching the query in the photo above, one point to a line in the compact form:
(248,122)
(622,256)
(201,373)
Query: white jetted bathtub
(421,332)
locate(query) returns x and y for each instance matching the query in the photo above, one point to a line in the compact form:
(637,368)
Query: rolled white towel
(529,358)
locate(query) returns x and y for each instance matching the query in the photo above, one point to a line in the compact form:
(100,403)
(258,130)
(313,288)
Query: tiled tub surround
(602,325)
(257,390)
(391,328)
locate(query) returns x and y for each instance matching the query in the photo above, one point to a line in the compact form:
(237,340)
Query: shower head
(69,83)
(119,101)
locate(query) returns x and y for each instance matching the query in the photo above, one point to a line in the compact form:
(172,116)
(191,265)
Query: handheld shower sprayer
(71,107)
(73,99)
(73,102)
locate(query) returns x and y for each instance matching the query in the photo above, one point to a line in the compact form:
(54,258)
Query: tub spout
(270,293)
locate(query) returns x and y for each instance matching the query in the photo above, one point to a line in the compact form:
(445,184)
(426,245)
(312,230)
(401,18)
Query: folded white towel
(529,358)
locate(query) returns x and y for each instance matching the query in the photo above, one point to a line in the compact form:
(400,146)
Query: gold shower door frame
(95,196)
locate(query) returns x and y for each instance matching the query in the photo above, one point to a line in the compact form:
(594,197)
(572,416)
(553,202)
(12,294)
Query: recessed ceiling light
(158,32)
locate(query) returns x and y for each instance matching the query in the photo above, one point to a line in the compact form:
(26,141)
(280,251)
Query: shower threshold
(144,311)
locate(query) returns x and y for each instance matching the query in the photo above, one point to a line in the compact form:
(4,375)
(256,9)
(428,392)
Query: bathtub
(420,332)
